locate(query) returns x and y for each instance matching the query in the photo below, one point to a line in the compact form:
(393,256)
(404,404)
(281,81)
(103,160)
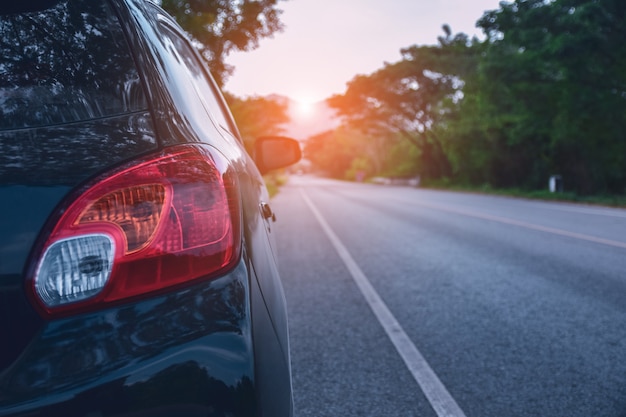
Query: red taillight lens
(161,222)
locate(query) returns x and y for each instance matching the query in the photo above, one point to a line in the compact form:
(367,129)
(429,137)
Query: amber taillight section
(161,222)
(136,210)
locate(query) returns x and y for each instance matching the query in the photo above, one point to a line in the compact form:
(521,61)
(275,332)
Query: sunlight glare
(305,106)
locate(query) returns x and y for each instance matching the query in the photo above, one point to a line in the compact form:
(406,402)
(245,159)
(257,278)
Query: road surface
(412,302)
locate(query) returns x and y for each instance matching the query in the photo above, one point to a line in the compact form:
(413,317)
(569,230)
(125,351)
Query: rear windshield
(65,64)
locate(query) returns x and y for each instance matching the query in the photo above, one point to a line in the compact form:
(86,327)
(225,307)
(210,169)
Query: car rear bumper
(185,353)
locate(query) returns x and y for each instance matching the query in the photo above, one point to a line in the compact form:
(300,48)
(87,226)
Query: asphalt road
(411,302)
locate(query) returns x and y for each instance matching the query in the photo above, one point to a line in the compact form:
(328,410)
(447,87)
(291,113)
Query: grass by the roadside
(273,181)
(603,200)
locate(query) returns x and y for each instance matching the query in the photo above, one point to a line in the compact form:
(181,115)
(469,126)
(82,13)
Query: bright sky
(327,42)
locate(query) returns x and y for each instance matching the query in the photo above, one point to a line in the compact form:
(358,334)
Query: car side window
(202,84)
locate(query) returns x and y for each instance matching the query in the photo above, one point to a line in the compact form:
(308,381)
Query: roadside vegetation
(544,93)
(607,200)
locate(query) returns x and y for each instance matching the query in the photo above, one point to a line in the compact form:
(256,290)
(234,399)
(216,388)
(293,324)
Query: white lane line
(554,231)
(436,393)
(594,211)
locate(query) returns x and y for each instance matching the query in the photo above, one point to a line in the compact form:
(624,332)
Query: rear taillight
(161,222)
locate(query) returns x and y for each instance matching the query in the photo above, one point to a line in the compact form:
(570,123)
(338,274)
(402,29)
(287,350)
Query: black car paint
(120,357)
(257,230)
(152,357)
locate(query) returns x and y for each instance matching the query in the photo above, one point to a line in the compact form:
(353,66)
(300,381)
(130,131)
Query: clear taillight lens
(74,269)
(161,222)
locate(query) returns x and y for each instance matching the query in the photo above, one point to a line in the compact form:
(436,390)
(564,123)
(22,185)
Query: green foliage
(402,160)
(333,152)
(411,98)
(556,73)
(543,94)
(348,153)
(359,169)
(223,26)
(273,182)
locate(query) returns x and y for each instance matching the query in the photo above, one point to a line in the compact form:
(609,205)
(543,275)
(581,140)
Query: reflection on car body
(137,273)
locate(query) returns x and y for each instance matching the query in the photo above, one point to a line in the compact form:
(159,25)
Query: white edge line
(546,229)
(434,390)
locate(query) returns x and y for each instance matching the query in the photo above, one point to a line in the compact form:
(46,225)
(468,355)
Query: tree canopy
(258,116)
(411,98)
(544,93)
(222,26)
(556,73)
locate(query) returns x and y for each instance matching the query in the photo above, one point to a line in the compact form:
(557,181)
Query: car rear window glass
(192,69)
(65,64)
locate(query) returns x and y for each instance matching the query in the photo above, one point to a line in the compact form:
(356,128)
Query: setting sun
(305,106)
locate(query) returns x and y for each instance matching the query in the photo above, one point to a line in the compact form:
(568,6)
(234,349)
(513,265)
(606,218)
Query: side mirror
(273,152)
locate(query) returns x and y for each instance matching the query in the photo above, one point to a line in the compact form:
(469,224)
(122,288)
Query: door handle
(267,212)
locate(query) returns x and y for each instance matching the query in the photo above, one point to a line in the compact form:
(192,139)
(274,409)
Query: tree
(411,97)
(554,78)
(222,26)
(258,116)
(332,152)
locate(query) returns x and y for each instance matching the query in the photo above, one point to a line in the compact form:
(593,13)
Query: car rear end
(124,282)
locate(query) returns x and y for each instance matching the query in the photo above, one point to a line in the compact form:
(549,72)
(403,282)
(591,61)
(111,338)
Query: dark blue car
(137,273)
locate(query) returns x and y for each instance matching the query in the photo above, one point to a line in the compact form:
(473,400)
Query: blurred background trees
(258,116)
